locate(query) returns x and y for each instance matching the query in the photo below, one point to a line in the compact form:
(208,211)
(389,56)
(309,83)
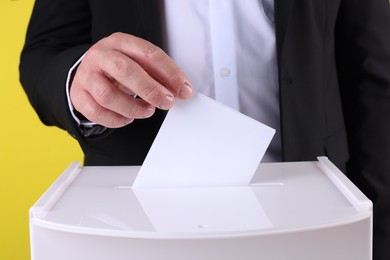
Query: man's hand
(118,67)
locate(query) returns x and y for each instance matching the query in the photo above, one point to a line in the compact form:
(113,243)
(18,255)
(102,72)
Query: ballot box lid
(282,197)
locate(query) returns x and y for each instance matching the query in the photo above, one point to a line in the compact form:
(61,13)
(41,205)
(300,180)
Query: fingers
(111,97)
(132,76)
(98,114)
(106,104)
(118,67)
(154,61)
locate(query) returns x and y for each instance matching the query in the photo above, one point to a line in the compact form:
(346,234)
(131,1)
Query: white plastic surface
(289,209)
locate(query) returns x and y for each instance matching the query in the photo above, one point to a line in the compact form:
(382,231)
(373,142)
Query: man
(332,71)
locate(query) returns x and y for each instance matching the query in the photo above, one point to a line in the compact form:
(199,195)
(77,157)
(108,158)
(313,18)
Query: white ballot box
(297,210)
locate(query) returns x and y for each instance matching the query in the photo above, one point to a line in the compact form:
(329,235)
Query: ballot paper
(203,143)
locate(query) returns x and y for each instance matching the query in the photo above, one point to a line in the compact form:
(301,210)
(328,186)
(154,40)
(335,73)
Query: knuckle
(103,95)
(122,67)
(94,52)
(91,111)
(93,114)
(117,36)
(152,92)
(152,53)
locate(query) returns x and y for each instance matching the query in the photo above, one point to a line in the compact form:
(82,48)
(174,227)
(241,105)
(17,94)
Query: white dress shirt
(228,50)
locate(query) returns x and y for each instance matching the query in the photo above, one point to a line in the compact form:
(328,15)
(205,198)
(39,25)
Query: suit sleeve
(363,55)
(57,36)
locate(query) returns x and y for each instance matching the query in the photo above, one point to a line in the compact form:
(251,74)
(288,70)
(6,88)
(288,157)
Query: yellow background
(31,155)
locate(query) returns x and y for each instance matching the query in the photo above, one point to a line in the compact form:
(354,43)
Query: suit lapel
(150,14)
(283,9)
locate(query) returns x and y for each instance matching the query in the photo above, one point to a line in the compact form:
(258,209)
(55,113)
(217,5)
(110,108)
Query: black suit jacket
(334,75)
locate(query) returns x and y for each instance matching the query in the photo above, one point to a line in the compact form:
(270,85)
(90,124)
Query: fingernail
(186,90)
(149,111)
(167,102)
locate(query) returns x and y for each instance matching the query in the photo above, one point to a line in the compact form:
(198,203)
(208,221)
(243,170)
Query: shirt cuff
(87,127)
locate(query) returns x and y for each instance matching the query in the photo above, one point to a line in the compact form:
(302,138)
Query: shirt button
(224,72)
